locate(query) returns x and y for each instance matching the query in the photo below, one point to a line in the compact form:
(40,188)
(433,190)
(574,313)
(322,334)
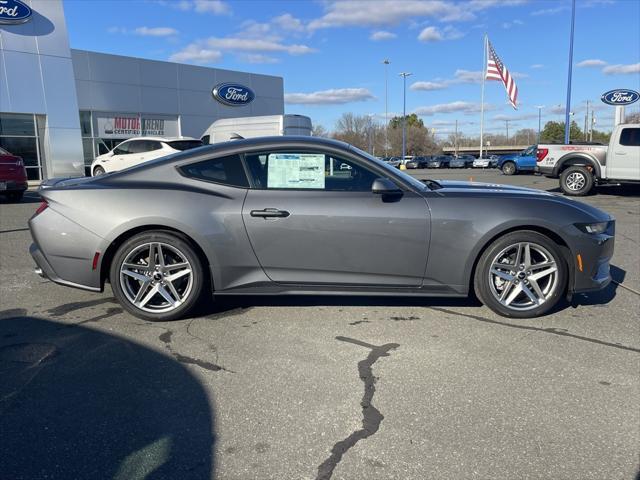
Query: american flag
(496,70)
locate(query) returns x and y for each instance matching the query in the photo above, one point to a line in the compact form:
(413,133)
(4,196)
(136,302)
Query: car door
(311,222)
(119,156)
(623,157)
(527,160)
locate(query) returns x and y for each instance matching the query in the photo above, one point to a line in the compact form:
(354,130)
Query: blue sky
(330,53)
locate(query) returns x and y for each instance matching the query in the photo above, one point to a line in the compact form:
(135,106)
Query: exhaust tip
(39,272)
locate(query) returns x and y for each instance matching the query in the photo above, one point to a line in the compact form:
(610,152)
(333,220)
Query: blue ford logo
(14,11)
(233,94)
(620,97)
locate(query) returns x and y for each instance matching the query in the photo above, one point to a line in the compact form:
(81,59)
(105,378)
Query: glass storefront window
(17,124)
(85,123)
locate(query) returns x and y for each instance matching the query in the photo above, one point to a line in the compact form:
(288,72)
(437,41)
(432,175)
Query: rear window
(630,137)
(225,170)
(185,144)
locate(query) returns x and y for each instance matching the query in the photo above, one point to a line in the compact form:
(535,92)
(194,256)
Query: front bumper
(591,257)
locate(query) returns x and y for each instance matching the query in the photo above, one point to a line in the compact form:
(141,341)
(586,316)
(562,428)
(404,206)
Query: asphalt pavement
(320,387)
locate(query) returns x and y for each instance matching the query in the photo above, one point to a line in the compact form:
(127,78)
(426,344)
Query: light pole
(404,76)
(567,126)
(507,122)
(539,107)
(386,108)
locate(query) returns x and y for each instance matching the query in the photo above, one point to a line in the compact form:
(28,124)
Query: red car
(13,176)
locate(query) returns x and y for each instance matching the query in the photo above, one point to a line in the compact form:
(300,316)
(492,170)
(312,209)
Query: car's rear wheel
(576,181)
(521,275)
(157,276)
(98,171)
(509,168)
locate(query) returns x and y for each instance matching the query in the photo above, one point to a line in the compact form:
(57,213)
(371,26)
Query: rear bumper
(13,186)
(45,270)
(546,171)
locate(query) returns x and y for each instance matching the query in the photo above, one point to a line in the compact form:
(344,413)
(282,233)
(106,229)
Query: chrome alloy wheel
(523,276)
(575,181)
(156,277)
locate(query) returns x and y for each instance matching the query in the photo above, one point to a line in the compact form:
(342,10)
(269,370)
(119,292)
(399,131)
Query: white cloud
(155,31)
(537,66)
(511,118)
(195,54)
(467,76)
(217,7)
(288,22)
(337,96)
(508,25)
(256,45)
(117,30)
(452,107)
(591,63)
(260,58)
(549,11)
(430,34)
(428,86)
(621,69)
(382,35)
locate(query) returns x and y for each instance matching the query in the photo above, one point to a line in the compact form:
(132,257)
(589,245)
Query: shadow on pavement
(604,296)
(83,404)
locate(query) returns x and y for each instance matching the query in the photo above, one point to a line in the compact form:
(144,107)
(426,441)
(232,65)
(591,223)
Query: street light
(404,76)
(386,108)
(539,107)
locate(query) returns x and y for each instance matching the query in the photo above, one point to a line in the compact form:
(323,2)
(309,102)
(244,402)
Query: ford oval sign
(14,11)
(620,97)
(233,94)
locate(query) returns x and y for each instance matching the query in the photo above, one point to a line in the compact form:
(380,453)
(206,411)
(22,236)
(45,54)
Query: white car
(140,149)
(485,162)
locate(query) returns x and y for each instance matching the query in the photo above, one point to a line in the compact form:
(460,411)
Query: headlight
(593,228)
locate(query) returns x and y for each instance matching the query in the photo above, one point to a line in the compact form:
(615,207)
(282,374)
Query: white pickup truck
(581,167)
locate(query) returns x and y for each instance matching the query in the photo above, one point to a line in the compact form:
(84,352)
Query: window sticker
(295,170)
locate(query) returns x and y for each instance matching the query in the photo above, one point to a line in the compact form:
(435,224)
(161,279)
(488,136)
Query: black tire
(171,244)
(98,171)
(486,292)
(509,168)
(576,181)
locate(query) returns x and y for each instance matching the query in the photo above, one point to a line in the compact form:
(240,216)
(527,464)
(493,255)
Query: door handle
(621,153)
(269,212)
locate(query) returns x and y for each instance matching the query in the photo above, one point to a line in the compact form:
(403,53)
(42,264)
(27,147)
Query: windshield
(392,170)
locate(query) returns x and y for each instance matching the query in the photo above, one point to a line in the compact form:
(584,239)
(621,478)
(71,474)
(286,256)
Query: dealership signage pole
(567,107)
(404,76)
(386,107)
(484,74)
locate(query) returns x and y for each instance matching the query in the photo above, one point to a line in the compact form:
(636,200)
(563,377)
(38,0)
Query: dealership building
(61,107)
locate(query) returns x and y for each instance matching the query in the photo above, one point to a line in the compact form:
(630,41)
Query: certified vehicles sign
(233,94)
(620,97)
(14,11)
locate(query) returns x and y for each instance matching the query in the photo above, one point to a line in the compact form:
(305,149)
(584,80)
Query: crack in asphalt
(552,330)
(371,416)
(212,367)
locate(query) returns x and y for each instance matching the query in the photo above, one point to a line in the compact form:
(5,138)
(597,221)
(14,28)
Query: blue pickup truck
(525,161)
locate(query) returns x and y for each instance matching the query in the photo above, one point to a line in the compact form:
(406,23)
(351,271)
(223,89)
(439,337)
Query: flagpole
(484,74)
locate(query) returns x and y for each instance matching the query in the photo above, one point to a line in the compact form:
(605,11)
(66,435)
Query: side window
(205,139)
(630,137)
(224,170)
(152,145)
(122,149)
(138,146)
(308,170)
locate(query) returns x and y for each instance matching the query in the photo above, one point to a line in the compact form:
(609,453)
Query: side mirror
(384,186)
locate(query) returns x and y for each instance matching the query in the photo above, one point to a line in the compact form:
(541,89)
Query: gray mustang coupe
(282,215)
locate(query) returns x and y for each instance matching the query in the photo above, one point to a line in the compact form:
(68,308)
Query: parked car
(439,161)
(393,161)
(524,161)
(138,150)
(485,162)
(13,176)
(582,167)
(417,162)
(462,161)
(262,216)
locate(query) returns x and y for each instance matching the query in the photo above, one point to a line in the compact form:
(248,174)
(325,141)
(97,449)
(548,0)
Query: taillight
(43,206)
(542,152)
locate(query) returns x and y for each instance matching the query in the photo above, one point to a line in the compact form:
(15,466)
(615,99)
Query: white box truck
(227,129)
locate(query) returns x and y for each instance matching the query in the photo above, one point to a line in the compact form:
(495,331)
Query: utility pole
(586,123)
(455,145)
(567,109)
(386,107)
(507,122)
(593,122)
(540,107)
(404,76)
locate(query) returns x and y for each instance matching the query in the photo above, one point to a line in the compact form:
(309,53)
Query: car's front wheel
(509,168)
(157,276)
(98,171)
(576,181)
(521,275)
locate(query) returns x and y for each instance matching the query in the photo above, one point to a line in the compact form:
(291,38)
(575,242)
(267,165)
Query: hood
(496,190)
